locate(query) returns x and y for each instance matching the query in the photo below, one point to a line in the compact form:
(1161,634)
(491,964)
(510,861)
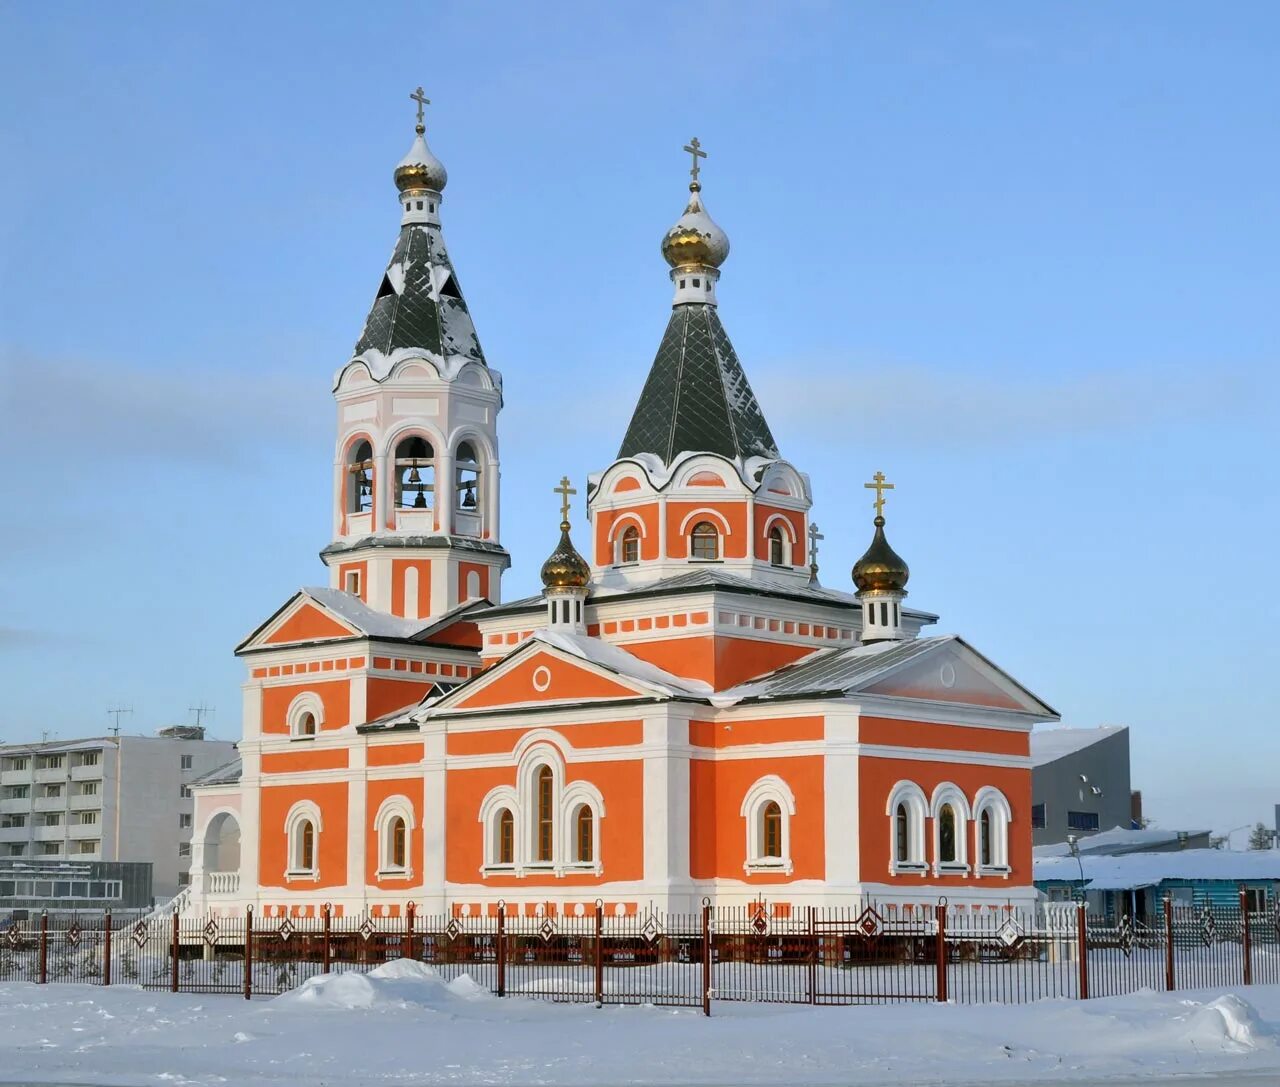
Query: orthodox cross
(814,536)
(564,491)
(695,149)
(422,100)
(879,486)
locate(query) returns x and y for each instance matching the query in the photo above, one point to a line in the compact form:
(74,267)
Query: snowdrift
(401,983)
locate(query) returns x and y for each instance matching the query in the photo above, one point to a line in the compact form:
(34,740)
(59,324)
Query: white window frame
(392,808)
(766,789)
(910,794)
(303,810)
(620,528)
(306,702)
(788,540)
(950,793)
(992,800)
(575,796)
(495,801)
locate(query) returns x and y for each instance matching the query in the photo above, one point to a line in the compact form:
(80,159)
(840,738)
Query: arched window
(584,836)
(307,846)
(415,474)
(399,843)
(946,834)
(307,724)
(704,541)
(302,828)
(544,848)
(907,810)
(777,547)
(467,470)
(506,851)
(992,816)
(629,545)
(951,816)
(360,478)
(771,830)
(304,716)
(768,808)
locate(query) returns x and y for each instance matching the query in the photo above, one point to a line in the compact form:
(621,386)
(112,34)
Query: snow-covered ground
(402,1024)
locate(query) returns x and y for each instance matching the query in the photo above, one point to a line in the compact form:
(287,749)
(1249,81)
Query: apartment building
(109,798)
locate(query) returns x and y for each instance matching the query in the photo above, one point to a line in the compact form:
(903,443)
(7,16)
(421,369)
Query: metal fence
(867,954)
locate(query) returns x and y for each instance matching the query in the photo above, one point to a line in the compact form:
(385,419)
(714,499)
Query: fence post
(248,952)
(599,954)
(1082,948)
(940,915)
(106,949)
(1245,941)
(173,955)
(813,959)
(326,948)
(706,957)
(501,941)
(1168,943)
(44,947)
(410,911)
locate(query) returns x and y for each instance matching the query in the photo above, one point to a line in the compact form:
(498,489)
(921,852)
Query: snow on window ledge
(301,875)
(1002,870)
(951,868)
(395,873)
(908,868)
(768,864)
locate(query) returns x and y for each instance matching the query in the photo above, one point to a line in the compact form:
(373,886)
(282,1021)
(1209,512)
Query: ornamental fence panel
(871,953)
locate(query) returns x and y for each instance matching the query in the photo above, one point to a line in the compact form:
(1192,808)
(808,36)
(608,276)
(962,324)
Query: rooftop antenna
(115,712)
(200,712)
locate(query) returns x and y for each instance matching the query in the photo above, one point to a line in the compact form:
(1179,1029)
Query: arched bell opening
(415,474)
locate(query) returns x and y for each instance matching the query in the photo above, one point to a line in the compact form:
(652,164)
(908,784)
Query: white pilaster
(357,814)
(840,792)
(434,819)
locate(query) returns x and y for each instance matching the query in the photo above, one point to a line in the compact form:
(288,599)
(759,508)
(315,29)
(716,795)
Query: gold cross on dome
(420,97)
(879,486)
(564,491)
(695,149)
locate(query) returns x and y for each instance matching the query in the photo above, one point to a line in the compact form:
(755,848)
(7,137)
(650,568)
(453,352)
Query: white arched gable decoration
(769,788)
(908,795)
(304,812)
(308,702)
(950,794)
(627,520)
(992,803)
(391,808)
(536,754)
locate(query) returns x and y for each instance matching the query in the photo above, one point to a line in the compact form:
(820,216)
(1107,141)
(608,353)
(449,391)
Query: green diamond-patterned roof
(410,311)
(697,397)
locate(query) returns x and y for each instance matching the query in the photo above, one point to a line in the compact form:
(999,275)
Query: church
(684,713)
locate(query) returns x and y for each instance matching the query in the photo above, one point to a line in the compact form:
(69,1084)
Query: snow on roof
(617,659)
(227,774)
(1131,871)
(1119,840)
(367,620)
(1048,744)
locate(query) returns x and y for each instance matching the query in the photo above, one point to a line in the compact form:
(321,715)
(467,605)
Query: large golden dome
(420,169)
(881,568)
(695,239)
(565,568)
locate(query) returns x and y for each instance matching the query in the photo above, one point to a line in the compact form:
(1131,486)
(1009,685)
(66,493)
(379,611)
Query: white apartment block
(113,798)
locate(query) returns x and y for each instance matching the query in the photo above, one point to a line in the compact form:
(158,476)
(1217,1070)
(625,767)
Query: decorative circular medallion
(541,678)
(947,674)
(579,910)
(466,909)
(620,910)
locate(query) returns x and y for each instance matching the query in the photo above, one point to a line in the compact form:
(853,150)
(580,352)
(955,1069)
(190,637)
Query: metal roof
(227,774)
(832,671)
(419,304)
(697,398)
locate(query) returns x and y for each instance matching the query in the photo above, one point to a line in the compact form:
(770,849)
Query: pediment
(955,672)
(541,674)
(301,620)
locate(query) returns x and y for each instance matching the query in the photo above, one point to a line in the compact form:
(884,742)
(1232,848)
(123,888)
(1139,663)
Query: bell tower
(416,469)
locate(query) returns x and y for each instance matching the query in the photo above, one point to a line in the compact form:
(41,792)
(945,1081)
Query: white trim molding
(394,807)
(308,702)
(948,794)
(994,805)
(303,812)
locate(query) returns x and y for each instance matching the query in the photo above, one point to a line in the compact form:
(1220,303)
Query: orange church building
(684,712)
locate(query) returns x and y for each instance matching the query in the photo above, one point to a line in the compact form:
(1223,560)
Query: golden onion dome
(420,169)
(881,568)
(695,239)
(565,568)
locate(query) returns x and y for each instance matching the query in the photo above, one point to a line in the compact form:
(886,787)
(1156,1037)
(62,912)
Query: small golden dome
(695,239)
(420,169)
(565,569)
(881,569)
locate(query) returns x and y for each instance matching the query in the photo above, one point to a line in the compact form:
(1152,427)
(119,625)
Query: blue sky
(1020,257)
